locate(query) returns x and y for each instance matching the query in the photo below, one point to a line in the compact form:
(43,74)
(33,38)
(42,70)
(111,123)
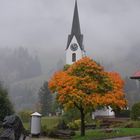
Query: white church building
(75,50)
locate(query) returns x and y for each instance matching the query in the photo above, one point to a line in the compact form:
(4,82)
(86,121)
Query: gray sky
(110,27)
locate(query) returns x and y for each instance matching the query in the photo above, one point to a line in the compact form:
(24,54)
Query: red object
(136,75)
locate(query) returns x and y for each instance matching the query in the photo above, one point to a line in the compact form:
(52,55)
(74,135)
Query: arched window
(73,57)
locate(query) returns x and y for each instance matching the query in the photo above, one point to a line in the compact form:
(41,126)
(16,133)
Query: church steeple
(75,49)
(76,24)
(75,30)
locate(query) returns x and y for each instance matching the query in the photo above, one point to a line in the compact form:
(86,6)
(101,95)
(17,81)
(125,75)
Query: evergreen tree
(6,107)
(45,99)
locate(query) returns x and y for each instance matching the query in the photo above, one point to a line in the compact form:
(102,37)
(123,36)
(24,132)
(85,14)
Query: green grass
(49,122)
(100,134)
(26,125)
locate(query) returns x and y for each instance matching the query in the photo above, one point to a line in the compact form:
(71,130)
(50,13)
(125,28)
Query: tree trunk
(82,122)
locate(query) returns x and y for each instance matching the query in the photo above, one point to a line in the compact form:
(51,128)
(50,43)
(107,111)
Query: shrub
(135,112)
(71,115)
(75,125)
(25,115)
(52,133)
(48,132)
(98,123)
(6,107)
(44,130)
(62,125)
(131,124)
(123,113)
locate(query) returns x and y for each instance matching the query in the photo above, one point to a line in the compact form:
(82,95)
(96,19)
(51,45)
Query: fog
(111,36)
(110,27)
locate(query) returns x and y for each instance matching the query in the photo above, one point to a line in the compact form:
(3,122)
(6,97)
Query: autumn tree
(85,85)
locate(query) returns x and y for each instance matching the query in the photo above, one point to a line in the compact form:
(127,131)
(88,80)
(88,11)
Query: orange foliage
(85,84)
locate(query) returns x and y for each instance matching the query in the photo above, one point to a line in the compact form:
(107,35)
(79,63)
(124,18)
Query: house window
(73,57)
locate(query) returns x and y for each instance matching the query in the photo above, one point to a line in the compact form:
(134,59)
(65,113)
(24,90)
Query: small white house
(105,112)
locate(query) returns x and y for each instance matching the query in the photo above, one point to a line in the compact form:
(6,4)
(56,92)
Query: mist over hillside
(21,70)
(111,37)
(18,64)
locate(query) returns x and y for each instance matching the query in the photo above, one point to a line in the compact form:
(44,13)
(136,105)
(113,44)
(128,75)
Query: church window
(73,57)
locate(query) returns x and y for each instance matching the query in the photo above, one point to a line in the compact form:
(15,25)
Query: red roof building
(136,75)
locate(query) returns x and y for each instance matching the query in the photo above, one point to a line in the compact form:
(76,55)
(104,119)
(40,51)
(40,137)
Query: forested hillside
(17,64)
(21,71)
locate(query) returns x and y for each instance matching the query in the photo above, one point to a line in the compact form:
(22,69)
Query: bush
(135,112)
(44,130)
(71,115)
(62,125)
(25,115)
(75,125)
(130,124)
(98,123)
(6,107)
(48,132)
(123,113)
(52,133)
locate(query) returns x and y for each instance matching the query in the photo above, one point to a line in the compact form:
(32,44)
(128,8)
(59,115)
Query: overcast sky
(110,27)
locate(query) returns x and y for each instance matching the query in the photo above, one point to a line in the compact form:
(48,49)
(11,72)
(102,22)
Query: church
(75,50)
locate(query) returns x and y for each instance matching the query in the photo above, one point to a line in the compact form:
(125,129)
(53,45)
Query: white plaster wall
(69,52)
(104,112)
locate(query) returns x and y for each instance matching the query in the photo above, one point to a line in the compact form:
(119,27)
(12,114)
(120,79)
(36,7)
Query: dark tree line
(6,107)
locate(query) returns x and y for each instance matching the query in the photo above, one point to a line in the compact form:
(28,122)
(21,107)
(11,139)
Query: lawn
(49,122)
(100,134)
(97,134)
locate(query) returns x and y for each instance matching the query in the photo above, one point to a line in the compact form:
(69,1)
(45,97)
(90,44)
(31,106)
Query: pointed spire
(75,31)
(76,24)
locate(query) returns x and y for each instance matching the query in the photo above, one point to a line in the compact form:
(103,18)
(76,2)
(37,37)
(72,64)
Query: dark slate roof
(75,31)
(76,24)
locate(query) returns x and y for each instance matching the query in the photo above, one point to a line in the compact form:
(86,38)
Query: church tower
(75,49)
